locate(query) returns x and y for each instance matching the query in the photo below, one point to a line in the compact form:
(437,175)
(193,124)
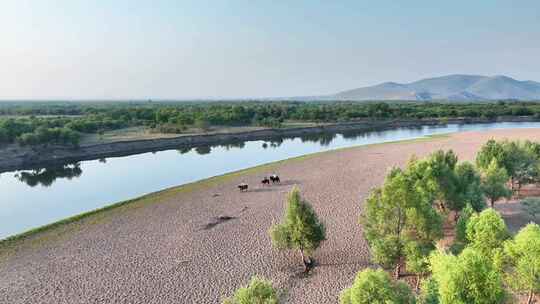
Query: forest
(64,123)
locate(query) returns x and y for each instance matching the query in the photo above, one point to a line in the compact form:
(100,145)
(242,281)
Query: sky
(130,49)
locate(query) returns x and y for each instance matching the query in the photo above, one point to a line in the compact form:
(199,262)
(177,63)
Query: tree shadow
(216,221)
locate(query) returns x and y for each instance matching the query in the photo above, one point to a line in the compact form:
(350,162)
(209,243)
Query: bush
(523,256)
(467,278)
(258,291)
(486,231)
(376,287)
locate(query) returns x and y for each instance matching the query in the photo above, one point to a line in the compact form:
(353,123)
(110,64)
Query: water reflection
(202,150)
(184,150)
(47,176)
(324,139)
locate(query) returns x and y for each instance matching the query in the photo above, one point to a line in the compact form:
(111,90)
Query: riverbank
(161,248)
(21,158)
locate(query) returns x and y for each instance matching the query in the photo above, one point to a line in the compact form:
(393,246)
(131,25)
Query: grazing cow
(265,181)
(274,178)
(243,187)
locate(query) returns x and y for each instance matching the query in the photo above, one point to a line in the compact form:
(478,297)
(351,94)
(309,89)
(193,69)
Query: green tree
(526,165)
(486,231)
(519,159)
(258,291)
(467,278)
(469,187)
(376,287)
(395,215)
(435,178)
(461,240)
(523,271)
(202,124)
(493,183)
(532,206)
(429,292)
(493,150)
(300,229)
(417,259)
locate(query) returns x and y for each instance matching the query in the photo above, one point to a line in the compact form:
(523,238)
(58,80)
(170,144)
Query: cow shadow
(289,182)
(265,189)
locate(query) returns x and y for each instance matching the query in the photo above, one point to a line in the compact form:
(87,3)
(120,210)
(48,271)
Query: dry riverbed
(199,242)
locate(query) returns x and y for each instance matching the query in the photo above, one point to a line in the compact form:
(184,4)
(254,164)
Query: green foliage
(532,206)
(469,187)
(259,291)
(467,278)
(202,124)
(417,257)
(461,240)
(300,227)
(493,182)
(521,160)
(486,231)
(523,260)
(396,215)
(461,226)
(94,117)
(493,150)
(376,287)
(429,292)
(435,178)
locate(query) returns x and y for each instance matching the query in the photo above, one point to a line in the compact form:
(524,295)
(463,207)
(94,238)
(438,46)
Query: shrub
(376,287)
(258,291)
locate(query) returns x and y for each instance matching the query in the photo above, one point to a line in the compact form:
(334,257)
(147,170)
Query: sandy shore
(162,250)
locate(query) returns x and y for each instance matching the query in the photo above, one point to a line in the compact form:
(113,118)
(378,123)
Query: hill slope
(451,87)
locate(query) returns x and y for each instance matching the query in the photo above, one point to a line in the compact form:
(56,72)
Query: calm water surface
(37,197)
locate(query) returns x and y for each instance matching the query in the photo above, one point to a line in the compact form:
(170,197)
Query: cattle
(265,181)
(243,187)
(274,178)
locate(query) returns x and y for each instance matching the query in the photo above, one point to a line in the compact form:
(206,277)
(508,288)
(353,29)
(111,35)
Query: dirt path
(179,250)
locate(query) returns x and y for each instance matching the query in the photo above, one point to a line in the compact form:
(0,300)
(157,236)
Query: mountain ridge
(458,87)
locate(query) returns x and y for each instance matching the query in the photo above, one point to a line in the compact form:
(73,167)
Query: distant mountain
(451,87)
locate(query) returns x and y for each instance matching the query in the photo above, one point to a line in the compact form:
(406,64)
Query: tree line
(65,122)
(402,221)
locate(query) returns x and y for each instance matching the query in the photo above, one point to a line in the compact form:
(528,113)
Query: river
(33,198)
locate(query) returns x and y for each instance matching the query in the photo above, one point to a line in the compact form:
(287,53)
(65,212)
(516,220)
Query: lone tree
(523,261)
(258,291)
(396,215)
(300,229)
(486,231)
(376,287)
(468,278)
(493,183)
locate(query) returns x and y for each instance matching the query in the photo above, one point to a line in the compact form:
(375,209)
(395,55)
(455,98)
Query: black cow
(274,178)
(265,181)
(243,187)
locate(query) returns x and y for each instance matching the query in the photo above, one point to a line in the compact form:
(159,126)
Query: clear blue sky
(184,49)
